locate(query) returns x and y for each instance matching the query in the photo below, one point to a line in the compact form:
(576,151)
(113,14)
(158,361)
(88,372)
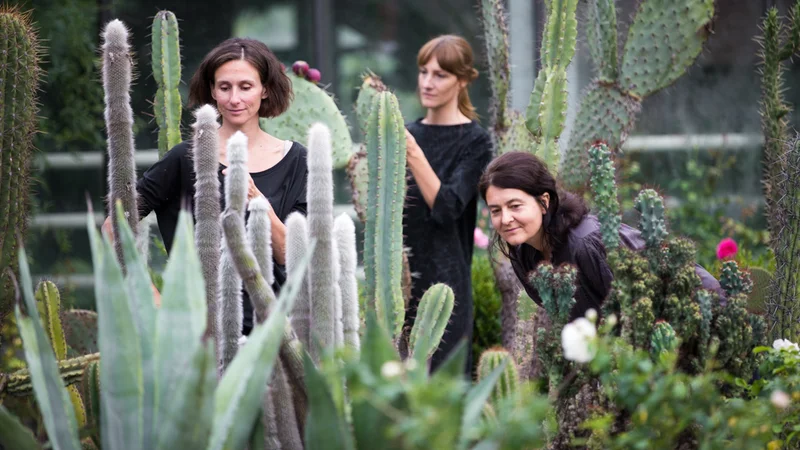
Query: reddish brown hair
(454,55)
(274,80)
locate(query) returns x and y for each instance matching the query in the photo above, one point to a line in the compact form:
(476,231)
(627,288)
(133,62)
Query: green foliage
(487,330)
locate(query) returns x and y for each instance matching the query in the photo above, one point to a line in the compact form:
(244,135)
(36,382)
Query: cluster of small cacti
(781,175)
(20,73)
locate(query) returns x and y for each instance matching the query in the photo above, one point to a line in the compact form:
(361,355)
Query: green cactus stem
(601,35)
(663,339)
(20,72)
(207,232)
(117,75)
(383,249)
(604,189)
(19,383)
(651,223)
(296,248)
(345,231)
(556,287)
(371,85)
(733,280)
(495,30)
(433,313)
(167,73)
(508,384)
(783,306)
(90,388)
(312,104)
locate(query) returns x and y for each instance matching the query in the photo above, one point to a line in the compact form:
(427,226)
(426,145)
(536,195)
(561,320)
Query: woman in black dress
(535,221)
(446,151)
(244,80)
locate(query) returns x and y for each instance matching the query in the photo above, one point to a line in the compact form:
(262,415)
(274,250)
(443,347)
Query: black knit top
(441,238)
(170,182)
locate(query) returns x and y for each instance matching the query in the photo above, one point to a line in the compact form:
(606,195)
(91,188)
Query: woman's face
(238,92)
(516,215)
(437,87)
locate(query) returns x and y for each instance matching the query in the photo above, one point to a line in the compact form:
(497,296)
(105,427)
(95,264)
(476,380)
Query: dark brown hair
(454,54)
(526,172)
(276,83)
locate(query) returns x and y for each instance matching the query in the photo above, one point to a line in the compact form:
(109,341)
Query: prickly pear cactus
(20,72)
(167,73)
(312,104)
(663,41)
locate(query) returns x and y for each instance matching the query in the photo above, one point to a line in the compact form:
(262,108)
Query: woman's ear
(264,94)
(545,200)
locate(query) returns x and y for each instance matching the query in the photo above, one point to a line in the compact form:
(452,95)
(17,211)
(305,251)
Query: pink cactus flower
(481,240)
(726,249)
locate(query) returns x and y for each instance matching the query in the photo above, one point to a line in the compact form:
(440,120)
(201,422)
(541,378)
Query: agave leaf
(122,393)
(181,319)
(326,428)
(476,399)
(48,387)
(13,434)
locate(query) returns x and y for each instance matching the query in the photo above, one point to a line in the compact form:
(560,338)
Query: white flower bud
(391,369)
(780,399)
(575,339)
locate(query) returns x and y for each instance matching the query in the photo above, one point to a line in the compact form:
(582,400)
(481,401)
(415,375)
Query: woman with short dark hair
(243,79)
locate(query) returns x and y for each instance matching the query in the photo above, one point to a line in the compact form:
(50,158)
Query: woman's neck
(448,114)
(250,129)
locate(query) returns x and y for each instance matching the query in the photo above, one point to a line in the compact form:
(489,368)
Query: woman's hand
(252,190)
(412,148)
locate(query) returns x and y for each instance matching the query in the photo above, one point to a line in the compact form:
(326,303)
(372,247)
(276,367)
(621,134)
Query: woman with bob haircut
(535,221)
(446,152)
(244,80)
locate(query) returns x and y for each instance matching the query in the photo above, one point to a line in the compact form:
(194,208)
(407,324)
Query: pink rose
(726,249)
(481,240)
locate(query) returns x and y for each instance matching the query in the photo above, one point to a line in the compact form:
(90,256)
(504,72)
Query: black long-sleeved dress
(441,238)
(170,182)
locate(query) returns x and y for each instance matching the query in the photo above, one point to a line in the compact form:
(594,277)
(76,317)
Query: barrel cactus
(20,54)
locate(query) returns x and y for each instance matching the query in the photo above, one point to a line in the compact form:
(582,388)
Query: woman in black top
(535,221)
(446,152)
(244,80)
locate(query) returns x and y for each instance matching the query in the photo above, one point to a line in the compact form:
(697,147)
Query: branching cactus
(208,231)
(651,207)
(733,280)
(605,194)
(312,104)
(663,41)
(663,339)
(508,384)
(167,73)
(383,248)
(433,313)
(20,72)
(117,75)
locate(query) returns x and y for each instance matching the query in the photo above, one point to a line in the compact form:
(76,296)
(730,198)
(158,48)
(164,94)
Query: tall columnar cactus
(383,251)
(663,41)
(19,70)
(230,281)
(508,384)
(783,306)
(312,104)
(208,232)
(605,194)
(781,179)
(345,231)
(117,74)
(323,277)
(296,250)
(167,73)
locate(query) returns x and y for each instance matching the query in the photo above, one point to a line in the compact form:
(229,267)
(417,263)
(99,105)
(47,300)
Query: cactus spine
(663,41)
(20,72)
(781,177)
(296,249)
(345,231)
(167,73)
(383,251)
(208,233)
(117,74)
